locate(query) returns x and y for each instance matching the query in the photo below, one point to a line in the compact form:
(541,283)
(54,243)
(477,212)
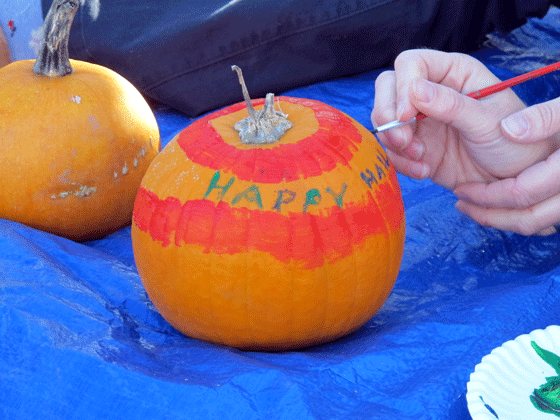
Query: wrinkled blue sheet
(79,339)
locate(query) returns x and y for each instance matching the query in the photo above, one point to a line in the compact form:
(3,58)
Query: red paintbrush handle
(506,84)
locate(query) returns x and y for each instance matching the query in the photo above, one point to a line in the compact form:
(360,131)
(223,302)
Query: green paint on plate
(546,398)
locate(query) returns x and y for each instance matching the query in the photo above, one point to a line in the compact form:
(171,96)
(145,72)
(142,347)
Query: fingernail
(461,206)
(515,125)
(423,90)
(547,231)
(400,110)
(460,195)
(398,139)
(419,151)
(416,151)
(425,171)
(421,170)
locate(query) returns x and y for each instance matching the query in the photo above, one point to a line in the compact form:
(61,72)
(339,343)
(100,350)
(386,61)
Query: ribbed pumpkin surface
(273,246)
(74,149)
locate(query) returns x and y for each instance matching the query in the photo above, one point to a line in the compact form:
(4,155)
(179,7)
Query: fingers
(385,109)
(411,168)
(535,123)
(536,219)
(392,100)
(533,185)
(412,65)
(528,204)
(460,72)
(446,105)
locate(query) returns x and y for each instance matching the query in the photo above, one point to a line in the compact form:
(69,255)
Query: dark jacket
(180,52)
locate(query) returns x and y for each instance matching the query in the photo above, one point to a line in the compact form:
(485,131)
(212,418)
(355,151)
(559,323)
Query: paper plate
(519,380)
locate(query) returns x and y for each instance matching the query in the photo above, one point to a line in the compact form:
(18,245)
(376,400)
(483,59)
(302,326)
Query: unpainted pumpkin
(75,139)
(270,246)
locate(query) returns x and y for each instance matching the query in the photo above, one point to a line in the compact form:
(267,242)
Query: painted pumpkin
(76,139)
(270,246)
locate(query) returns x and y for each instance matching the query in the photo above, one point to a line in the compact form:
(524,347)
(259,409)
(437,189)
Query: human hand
(530,202)
(462,139)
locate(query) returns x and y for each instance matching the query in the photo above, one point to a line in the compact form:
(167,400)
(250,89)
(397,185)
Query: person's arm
(5,57)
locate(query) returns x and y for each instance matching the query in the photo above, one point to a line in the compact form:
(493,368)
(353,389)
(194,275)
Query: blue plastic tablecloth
(79,339)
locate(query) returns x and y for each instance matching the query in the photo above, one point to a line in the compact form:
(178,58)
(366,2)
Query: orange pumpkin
(270,246)
(76,139)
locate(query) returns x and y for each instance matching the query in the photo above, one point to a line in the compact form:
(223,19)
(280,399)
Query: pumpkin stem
(260,127)
(53,59)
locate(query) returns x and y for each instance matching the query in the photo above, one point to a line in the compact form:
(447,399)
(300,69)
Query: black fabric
(180,53)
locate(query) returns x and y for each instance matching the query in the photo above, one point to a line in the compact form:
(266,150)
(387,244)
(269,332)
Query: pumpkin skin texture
(76,139)
(74,149)
(270,247)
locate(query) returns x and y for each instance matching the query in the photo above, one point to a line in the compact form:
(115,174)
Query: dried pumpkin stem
(53,59)
(260,127)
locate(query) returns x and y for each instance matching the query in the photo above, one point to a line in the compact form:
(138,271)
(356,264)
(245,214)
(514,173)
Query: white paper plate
(502,384)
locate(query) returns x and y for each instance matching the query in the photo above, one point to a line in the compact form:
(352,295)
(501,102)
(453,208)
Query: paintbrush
(498,87)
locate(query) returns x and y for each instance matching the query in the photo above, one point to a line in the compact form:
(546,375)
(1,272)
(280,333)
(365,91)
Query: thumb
(447,105)
(533,124)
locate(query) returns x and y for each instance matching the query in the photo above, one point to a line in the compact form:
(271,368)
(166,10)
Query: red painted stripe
(222,229)
(334,143)
(388,195)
